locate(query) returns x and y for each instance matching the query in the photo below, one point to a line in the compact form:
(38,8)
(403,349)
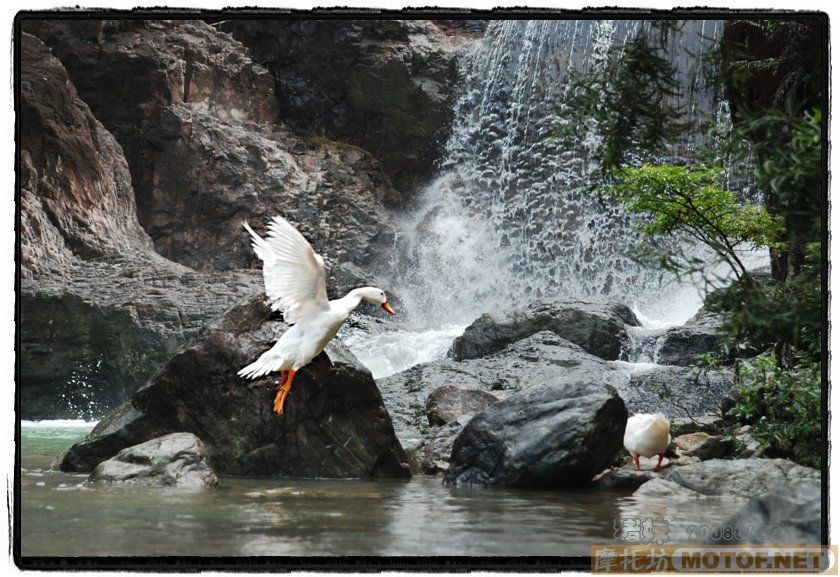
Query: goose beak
(388,308)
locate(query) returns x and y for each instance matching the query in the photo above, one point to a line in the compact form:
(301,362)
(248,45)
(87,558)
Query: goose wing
(294,274)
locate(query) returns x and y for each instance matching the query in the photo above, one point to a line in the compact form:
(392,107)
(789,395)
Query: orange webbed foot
(283,391)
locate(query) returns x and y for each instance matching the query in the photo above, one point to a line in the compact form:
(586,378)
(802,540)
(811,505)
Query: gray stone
(553,435)
(664,489)
(447,403)
(431,456)
(384,85)
(177,459)
(739,477)
(596,324)
(790,513)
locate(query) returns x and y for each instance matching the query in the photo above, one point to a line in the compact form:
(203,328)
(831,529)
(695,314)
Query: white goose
(295,282)
(646,436)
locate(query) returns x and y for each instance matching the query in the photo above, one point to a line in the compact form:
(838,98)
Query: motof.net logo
(652,558)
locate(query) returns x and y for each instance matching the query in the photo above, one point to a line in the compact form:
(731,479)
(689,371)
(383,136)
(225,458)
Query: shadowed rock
(595,324)
(550,436)
(177,459)
(335,424)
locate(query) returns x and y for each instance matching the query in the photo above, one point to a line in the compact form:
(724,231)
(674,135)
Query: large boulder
(596,324)
(541,357)
(553,435)
(335,423)
(177,459)
(447,403)
(384,85)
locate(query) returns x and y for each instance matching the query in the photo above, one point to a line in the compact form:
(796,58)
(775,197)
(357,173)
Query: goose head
(375,296)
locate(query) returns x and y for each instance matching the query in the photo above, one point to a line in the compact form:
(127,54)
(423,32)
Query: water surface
(63,515)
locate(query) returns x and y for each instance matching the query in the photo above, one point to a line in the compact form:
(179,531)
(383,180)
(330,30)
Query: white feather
(647,435)
(294,275)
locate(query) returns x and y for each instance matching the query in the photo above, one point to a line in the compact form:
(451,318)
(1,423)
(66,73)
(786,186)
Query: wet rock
(335,424)
(384,85)
(533,360)
(177,459)
(681,345)
(593,323)
(789,513)
(196,119)
(431,455)
(739,477)
(677,391)
(447,403)
(556,434)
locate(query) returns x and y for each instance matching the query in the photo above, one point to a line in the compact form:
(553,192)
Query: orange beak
(388,308)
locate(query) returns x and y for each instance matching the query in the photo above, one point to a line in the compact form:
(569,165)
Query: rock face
(789,513)
(101,311)
(385,85)
(197,123)
(538,358)
(550,436)
(595,324)
(335,423)
(447,403)
(76,190)
(177,459)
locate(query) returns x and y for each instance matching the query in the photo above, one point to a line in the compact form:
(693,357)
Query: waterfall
(509,218)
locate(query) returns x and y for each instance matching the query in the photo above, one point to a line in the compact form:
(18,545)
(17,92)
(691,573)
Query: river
(64,515)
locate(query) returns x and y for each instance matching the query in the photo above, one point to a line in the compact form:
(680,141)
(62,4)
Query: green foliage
(782,316)
(783,406)
(691,201)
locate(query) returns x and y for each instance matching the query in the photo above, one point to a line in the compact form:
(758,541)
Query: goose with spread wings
(295,282)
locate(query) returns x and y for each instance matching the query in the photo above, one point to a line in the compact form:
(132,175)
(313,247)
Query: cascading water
(510,218)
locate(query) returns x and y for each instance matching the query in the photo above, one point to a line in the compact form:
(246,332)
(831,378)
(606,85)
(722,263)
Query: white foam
(58,424)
